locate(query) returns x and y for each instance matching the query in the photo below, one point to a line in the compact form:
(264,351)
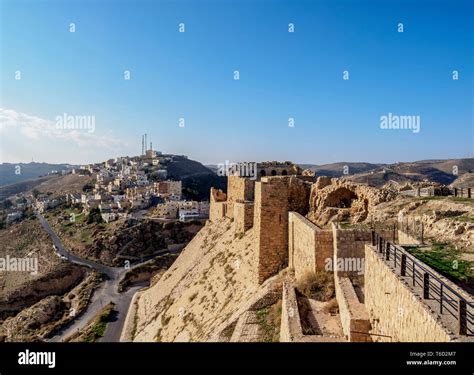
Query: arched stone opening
(341,198)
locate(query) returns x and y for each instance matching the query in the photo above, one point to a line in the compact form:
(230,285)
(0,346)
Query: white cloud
(36,128)
(24,137)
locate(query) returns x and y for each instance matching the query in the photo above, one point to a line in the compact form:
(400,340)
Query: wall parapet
(453,304)
(309,246)
(354,316)
(243,216)
(397,309)
(217,204)
(349,253)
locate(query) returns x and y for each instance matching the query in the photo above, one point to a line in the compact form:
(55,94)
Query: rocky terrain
(58,281)
(21,289)
(337,200)
(112,243)
(48,315)
(444,219)
(26,239)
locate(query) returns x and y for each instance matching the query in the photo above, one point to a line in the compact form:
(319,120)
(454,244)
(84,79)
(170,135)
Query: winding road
(105,293)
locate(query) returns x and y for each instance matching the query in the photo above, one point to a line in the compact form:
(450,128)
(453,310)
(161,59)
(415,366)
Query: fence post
(403,265)
(414,274)
(462,317)
(455,192)
(372,236)
(422,232)
(380,244)
(441,298)
(469,192)
(426,285)
(387,250)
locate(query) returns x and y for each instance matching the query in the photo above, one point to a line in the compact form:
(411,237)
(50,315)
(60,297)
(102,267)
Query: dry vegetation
(318,285)
(95,329)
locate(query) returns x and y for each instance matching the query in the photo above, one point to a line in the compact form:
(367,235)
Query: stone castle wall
(349,250)
(239,189)
(271,226)
(263,205)
(395,311)
(308,245)
(290,325)
(217,204)
(243,216)
(354,316)
(274,198)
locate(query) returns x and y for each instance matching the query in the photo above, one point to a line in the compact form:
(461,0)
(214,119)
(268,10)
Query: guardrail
(449,300)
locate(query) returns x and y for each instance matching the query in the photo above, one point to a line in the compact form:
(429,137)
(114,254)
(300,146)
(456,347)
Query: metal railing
(449,301)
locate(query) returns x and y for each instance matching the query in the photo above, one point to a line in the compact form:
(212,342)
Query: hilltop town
(117,187)
(120,213)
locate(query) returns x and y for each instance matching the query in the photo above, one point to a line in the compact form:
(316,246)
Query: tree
(94,216)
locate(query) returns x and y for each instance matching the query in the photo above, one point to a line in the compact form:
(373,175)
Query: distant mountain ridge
(11,173)
(443,171)
(197,178)
(337,169)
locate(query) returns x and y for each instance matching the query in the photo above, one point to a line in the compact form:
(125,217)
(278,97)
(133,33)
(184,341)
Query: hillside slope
(9,174)
(206,288)
(442,171)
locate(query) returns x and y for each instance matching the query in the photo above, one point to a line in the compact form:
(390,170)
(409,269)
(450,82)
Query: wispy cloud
(36,129)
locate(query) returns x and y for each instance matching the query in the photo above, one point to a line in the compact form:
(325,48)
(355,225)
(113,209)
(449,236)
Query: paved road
(105,293)
(122,304)
(101,296)
(111,272)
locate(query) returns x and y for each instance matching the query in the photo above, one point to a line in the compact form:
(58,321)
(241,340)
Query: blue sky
(190,75)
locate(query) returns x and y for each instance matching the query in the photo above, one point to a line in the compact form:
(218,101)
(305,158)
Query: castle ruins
(375,300)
